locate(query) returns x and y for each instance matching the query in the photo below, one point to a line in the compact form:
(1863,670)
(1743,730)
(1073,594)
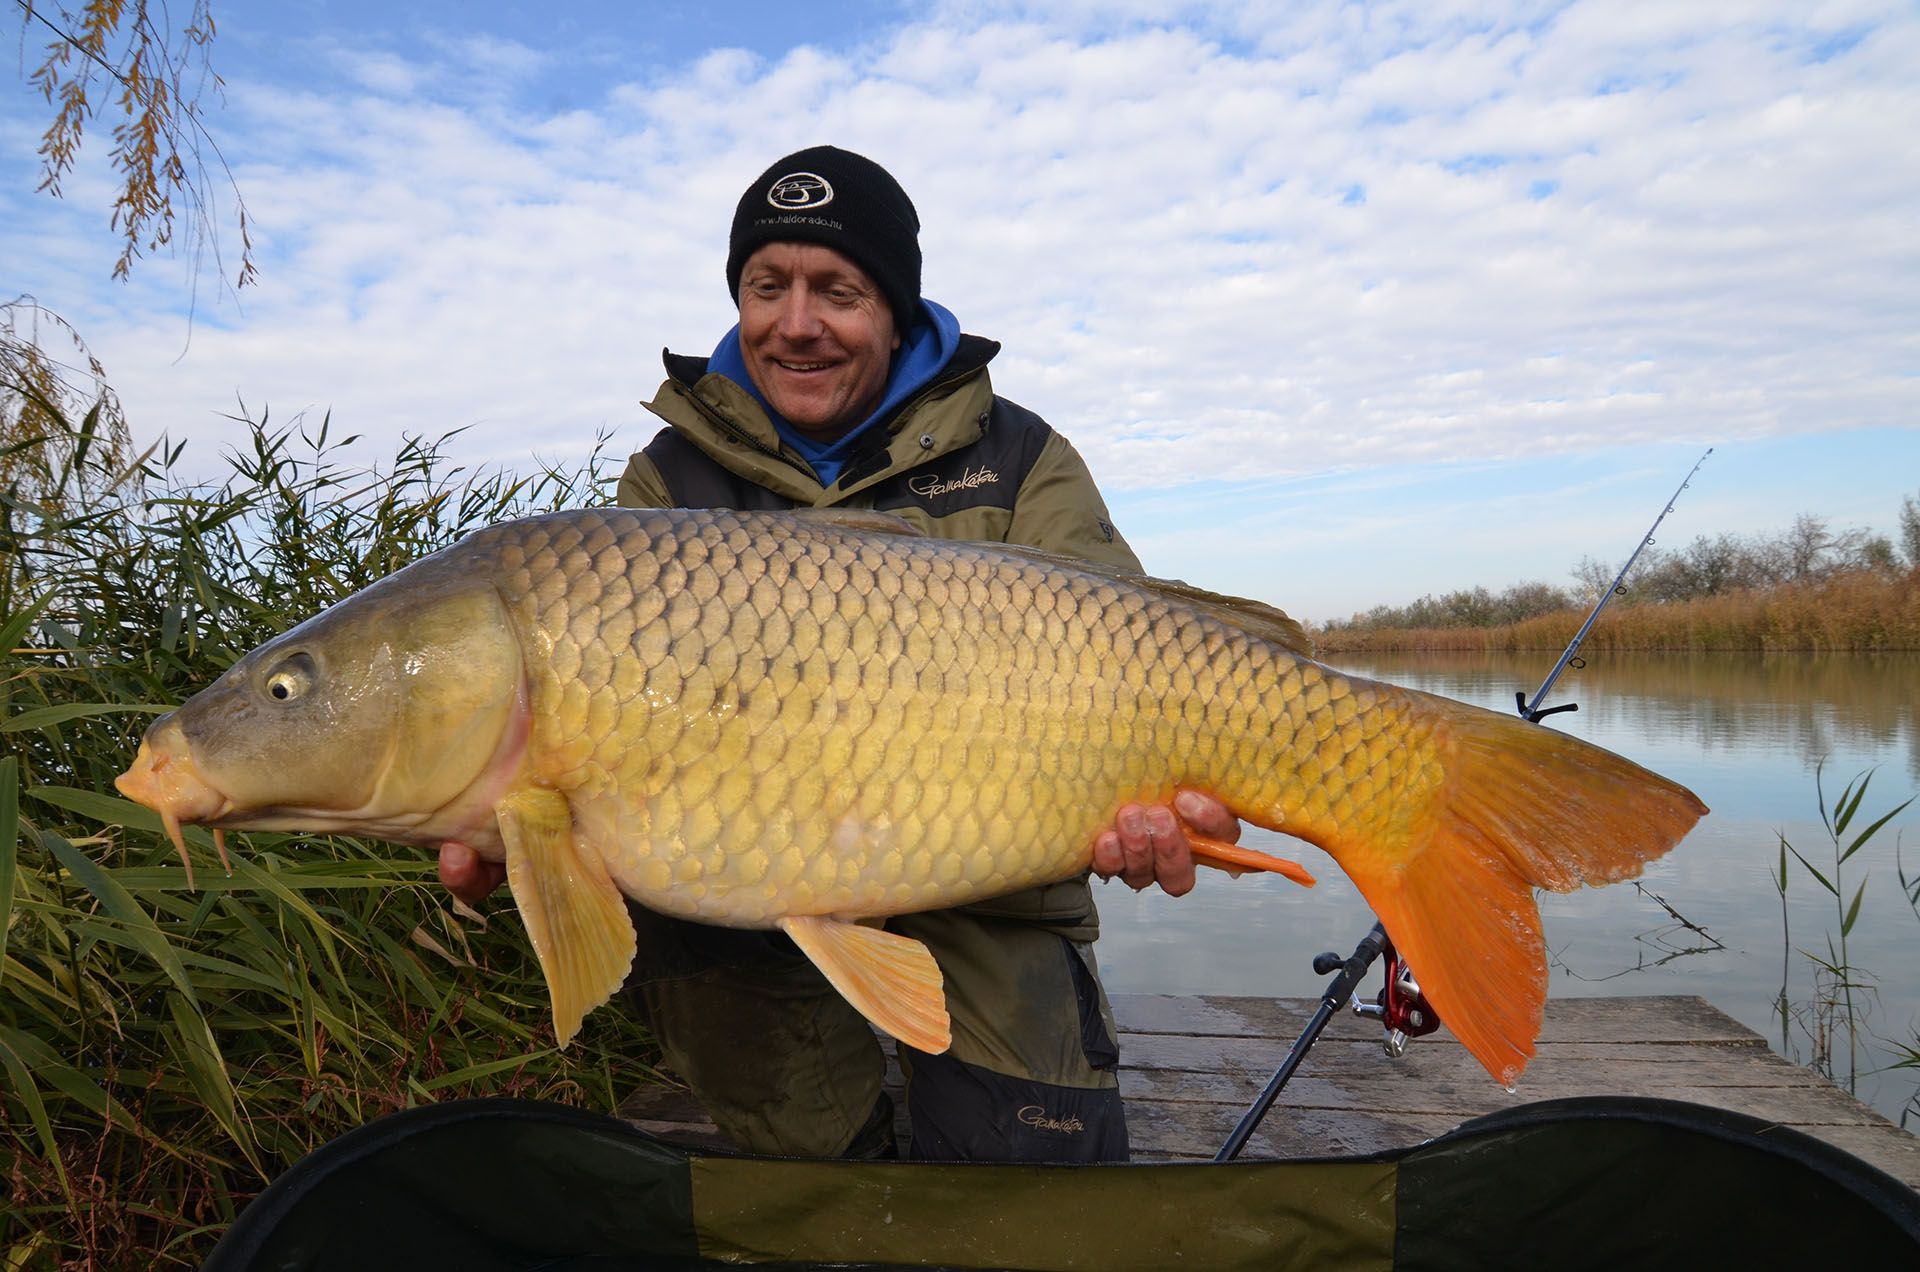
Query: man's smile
(816,335)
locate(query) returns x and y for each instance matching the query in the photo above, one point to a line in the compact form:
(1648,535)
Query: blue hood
(925,349)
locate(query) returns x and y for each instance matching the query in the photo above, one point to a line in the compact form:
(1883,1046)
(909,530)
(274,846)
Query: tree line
(1809,551)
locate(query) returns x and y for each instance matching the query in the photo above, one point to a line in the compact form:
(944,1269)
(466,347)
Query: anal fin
(1236,860)
(890,979)
(574,913)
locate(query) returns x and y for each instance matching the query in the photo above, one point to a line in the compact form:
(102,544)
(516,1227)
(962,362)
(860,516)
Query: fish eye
(290,678)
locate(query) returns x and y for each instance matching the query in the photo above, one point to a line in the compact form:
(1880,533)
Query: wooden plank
(1886,1146)
(1804,1103)
(1440,1056)
(1195,1131)
(1192,1065)
(1658,1018)
(1805,1107)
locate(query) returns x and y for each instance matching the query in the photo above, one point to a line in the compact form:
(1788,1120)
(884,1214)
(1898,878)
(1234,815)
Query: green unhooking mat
(1565,1184)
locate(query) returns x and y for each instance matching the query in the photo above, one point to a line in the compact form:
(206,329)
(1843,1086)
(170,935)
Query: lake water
(1745,733)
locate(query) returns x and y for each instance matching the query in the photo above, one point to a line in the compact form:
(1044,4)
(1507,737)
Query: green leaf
(136,922)
(83,442)
(40,717)
(9,846)
(109,810)
(27,1091)
(199,1055)
(1810,869)
(1868,833)
(1853,911)
(474,1072)
(52,1069)
(1846,808)
(16,627)
(170,620)
(142,879)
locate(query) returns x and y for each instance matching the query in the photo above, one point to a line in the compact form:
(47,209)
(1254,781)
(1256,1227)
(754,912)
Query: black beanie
(844,201)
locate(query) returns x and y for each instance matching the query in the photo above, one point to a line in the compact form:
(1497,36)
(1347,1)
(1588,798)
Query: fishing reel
(1400,1006)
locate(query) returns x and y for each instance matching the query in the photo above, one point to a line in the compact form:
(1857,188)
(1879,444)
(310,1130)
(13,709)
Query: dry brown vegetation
(1860,610)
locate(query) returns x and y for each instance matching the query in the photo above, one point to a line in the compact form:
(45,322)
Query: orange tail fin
(1521,807)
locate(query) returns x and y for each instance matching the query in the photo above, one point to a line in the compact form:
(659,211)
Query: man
(842,387)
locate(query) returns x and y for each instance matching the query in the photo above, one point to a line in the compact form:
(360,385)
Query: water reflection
(1811,705)
(1680,937)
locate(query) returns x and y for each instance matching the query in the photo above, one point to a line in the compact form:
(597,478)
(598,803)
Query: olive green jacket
(955,460)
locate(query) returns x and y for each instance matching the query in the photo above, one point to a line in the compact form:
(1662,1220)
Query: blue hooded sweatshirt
(925,349)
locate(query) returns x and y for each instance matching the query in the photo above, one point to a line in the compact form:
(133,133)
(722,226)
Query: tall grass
(165,1052)
(1863,610)
(1842,988)
(1842,991)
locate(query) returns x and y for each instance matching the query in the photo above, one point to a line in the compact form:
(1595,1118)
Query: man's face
(816,334)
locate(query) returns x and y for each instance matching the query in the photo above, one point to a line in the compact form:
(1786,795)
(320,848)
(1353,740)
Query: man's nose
(799,318)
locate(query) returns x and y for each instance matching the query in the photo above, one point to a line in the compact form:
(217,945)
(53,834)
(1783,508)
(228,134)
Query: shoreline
(1861,612)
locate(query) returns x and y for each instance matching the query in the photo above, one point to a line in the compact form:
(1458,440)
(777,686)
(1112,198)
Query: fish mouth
(163,777)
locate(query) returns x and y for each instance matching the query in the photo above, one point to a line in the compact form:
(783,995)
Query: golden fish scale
(755,721)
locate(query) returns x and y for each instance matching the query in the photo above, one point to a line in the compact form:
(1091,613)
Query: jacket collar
(972,353)
(720,417)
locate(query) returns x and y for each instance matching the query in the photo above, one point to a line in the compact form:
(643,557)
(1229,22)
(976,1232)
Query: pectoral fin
(1236,861)
(573,912)
(890,979)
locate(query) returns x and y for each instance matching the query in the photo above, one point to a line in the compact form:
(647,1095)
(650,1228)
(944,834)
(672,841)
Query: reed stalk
(1835,1010)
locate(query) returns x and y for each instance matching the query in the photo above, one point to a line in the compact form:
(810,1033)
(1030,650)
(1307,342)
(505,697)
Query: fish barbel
(809,721)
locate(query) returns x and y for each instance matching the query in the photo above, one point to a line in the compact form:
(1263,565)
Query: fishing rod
(1532,711)
(1352,972)
(1400,1006)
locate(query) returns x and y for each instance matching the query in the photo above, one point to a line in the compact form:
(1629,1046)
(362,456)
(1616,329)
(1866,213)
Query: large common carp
(809,721)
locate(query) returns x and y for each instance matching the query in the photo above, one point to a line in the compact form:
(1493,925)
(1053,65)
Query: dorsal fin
(1256,617)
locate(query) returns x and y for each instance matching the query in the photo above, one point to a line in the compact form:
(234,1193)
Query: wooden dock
(1190,1066)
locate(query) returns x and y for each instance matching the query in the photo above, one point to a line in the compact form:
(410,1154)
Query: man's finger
(1207,815)
(1172,857)
(1136,841)
(466,874)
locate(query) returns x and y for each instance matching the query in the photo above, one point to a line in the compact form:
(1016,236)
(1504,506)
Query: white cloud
(1262,242)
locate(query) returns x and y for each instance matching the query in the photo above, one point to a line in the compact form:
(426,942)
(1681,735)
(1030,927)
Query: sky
(1343,303)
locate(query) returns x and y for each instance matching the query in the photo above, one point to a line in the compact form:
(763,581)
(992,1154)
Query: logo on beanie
(800,190)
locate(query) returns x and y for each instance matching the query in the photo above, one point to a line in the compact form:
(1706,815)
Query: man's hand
(1149,844)
(467,874)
